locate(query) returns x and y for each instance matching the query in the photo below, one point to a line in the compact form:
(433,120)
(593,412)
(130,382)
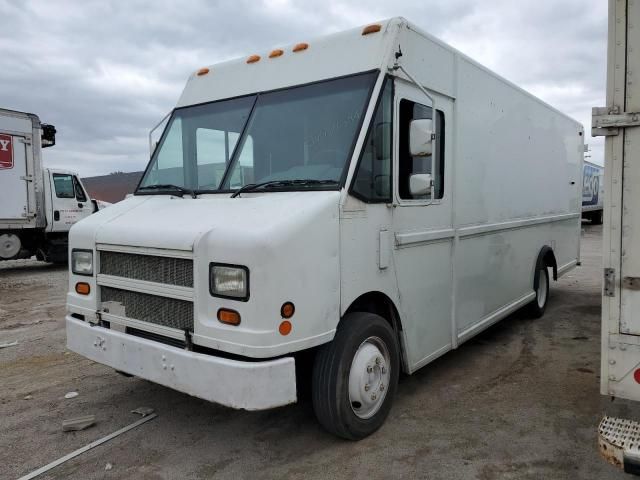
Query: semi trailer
(38,205)
(619,122)
(592,192)
(329,213)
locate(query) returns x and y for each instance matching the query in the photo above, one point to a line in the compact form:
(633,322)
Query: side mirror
(421,137)
(420,184)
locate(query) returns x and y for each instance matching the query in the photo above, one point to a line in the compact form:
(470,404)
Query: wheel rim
(369,377)
(9,245)
(542,289)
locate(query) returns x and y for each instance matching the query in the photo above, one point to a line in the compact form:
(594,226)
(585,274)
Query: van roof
(330,56)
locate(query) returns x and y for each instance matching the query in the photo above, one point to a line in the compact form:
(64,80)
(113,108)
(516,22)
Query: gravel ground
(520,401)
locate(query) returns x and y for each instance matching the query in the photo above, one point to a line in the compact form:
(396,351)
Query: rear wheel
(541,286)
(355,376)
(10,246)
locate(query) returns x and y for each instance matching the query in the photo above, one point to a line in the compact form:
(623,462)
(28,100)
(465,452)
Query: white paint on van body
(451,267)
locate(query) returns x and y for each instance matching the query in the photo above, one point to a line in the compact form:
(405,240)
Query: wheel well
(547,258)
(380,304)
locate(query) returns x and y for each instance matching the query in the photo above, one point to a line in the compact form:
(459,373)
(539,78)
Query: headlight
(82,262)
(229,281)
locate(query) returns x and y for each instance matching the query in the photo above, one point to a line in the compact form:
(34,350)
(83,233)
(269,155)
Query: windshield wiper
(250,187)
(170,186)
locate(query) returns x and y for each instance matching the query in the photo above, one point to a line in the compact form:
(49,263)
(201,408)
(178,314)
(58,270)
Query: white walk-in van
(370,199)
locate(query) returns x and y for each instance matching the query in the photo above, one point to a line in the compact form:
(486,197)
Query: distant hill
(113,187)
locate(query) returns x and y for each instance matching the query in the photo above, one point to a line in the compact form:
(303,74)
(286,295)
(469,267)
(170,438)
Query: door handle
(80,205)
(56,215)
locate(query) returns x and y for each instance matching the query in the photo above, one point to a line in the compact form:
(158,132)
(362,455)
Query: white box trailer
(373,198)
(38,205)
(619,122)
(592,192)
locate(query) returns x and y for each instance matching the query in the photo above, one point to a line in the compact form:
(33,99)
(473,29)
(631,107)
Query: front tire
(355,376)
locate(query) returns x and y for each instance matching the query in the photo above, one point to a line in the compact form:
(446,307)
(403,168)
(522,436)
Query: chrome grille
(167,270)
(168,312)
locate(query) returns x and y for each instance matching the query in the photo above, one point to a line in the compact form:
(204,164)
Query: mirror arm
(397,66)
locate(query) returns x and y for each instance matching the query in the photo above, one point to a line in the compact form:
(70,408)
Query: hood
(169,222)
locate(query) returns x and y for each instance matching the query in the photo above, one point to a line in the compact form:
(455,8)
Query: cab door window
(63,185)
(372,181)
(409,165)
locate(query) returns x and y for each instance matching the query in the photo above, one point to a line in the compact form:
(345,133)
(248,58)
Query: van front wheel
(355,376)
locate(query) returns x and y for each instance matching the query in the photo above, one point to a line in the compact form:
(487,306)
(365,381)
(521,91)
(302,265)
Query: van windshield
(299,133)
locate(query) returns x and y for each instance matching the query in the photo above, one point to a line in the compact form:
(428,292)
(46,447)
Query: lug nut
(381,386)
(378,361)
(383,370)
(373,397)
(366,387)
(369,369)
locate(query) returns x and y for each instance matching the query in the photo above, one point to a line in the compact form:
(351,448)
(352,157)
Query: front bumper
(233,383)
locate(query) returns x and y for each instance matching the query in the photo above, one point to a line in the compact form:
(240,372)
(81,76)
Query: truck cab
(66,200)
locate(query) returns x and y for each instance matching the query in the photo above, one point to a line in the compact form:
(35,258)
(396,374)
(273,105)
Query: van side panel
(518,188)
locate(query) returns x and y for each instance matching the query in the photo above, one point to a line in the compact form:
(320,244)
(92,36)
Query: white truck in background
(38,205)
(619,122)
(360,204)
(592,192)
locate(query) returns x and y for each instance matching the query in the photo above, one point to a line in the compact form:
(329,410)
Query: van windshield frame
(246,115)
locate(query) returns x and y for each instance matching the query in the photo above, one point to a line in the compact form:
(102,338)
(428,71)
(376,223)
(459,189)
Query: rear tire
(541,286)
(355,376)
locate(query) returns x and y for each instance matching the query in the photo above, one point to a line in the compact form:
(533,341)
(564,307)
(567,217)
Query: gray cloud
(105,72)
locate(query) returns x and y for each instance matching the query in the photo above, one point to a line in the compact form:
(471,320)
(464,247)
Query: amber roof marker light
(202,71)
(276,53)
(371,29)
(300,47)
(253,59)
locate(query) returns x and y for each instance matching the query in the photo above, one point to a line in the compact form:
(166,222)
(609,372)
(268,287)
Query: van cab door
(69,201)
(422,225)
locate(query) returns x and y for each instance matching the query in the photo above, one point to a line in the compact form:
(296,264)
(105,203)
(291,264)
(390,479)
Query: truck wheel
(541,287)
(355,376)
(10,246)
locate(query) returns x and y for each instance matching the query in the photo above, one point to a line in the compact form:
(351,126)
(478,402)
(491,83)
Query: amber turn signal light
(230,317)
(83,288)
(287,310)
(285,328)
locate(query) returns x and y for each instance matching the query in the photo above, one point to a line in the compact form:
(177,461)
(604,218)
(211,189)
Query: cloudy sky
(105,72)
